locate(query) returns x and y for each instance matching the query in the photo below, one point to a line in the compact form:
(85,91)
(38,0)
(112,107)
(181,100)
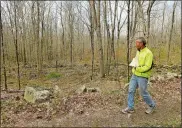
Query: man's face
(139,44)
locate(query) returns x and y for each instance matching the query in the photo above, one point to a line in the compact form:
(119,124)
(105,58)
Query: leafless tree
(171,30)
(128,36)
(98,32)
(3,55)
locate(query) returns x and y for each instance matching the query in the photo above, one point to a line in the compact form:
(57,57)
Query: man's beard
(138,49)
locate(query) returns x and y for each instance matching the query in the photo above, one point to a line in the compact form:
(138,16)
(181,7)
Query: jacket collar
(143,49)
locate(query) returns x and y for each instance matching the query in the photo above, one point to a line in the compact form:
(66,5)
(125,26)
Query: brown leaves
(167,88)
(80,103)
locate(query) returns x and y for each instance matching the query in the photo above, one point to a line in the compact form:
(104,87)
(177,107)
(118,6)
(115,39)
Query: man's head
(140,43)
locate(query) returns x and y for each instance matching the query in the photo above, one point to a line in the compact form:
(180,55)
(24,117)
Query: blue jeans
(140,82)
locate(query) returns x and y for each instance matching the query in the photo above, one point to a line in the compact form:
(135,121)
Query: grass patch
(53,75)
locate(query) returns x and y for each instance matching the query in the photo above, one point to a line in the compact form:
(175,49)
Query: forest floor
(90,109)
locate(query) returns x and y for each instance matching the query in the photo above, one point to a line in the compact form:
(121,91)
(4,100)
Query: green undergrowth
(53,75)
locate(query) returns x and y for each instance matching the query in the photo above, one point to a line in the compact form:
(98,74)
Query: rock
(32,76)
(152,79)
(64,100)
(126,85)
(56,90)
(149,83)
(121,77)
(179,76)
(160,78)
(93,90)
(17,98)
(171,75)
(35,94)
(84,89)
(85,65)
(81,90)
(167,66)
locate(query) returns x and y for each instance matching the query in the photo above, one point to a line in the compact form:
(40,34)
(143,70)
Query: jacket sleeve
(148,63)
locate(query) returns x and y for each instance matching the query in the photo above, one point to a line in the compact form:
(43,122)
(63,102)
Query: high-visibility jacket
(145,60)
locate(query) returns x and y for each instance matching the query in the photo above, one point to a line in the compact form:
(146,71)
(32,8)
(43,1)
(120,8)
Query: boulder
(36,94)
(84,89)
(81,90)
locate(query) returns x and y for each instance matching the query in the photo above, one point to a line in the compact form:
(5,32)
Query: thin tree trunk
(38,40)
(56,41)
(16,46)
(162,40)
(34,33)
(99,37)
(133,28)
(47,38)
(142,17)
(42,38)
(170,36)
(0,42)
(148,19)
(92,35)
(24,37)
(113,31)
(100,42)
(118,37)
(2,47)
(128,36)
(70,20)
(63,37)
(83,44)
(4,61)
(108,39)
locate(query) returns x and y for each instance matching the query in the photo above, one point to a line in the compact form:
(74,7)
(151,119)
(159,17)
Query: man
(140,77)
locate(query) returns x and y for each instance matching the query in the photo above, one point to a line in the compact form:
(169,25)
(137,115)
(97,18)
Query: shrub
(53,75)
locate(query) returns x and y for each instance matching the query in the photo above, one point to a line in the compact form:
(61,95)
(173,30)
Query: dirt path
(94,109)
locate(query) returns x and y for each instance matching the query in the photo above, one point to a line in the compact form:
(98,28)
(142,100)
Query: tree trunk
(142,17)
(16,45)
(170,36)
(113,31)
(63,36)
(128,36)
(148,19)
(92,35)
(133,27)
(3,55)
(0,42)
(42,38)
(162,40)
(99,36)
(108,39)
(24,40)
(71,29)
(56,41)
(38,40)
(100,42)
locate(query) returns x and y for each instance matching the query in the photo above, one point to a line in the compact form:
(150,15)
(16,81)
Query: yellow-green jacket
(145,58)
